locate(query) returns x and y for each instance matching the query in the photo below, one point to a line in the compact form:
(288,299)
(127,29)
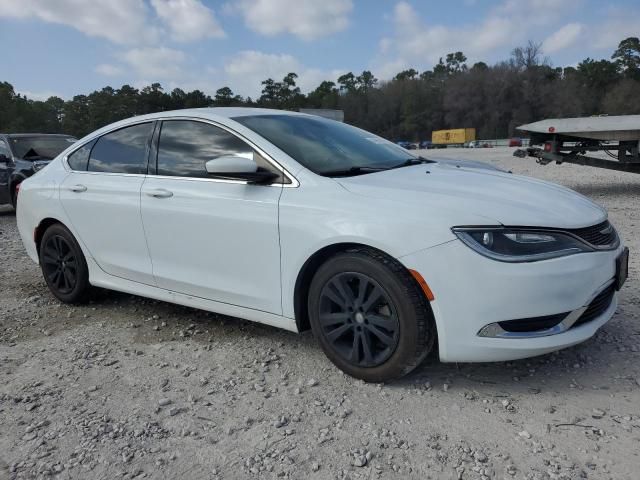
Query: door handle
(78,188)
(159,193)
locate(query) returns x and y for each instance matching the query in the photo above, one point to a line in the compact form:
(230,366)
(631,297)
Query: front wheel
(63,265)
(370,316)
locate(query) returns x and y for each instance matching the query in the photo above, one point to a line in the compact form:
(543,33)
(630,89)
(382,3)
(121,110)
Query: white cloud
(607,34)
(160,63)
(418,43)
(119,21)
(537,12)
(247,69)
(416,40)
(108,70)
(306,19)
(563,38)
(188,20)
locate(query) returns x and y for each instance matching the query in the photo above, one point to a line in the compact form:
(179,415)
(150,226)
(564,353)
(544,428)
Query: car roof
(213,113)
(225,112)
(19,135)
(219,114)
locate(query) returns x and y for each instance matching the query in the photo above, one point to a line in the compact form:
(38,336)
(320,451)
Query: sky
(70,47)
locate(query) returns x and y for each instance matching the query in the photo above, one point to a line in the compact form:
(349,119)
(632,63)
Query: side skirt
(99,278)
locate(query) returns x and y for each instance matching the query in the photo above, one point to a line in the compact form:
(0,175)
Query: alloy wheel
(60,264)
(358,319)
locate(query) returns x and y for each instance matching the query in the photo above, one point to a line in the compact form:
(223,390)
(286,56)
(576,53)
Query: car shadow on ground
(594,364)
(598,363)
(6,211)
(609,189)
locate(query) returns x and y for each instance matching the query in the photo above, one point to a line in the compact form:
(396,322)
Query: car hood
(509,199)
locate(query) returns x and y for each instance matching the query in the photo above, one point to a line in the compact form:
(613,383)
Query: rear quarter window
(79,159)
(122,151)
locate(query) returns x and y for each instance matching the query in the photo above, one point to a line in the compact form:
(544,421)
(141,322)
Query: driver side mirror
(239,168)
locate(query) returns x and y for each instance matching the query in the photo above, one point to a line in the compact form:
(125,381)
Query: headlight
(520,245)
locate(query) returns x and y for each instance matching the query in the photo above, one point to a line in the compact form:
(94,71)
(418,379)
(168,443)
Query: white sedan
(301,222)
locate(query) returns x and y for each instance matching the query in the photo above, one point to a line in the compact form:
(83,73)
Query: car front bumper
(473,293)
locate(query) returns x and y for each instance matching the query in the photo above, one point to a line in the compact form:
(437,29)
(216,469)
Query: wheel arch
(308,270)
(42,227)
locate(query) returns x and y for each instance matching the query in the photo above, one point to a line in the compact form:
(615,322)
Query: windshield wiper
(357,170)
(412,161)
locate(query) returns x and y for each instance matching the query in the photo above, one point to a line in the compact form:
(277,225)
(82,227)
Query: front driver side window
(186,145)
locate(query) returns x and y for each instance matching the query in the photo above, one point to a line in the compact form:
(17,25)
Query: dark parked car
(425,144)
(22,155)
(406,145)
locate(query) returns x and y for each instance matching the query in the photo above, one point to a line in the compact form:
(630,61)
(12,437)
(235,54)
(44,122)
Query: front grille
(532,324)
(594,235)
(597,306)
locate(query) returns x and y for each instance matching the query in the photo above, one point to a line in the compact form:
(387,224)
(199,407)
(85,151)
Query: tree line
(493,99)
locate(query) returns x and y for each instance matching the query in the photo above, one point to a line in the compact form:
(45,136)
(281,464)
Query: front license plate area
(622,268)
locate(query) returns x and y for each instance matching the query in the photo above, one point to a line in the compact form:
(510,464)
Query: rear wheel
(14,197)
(63,265)
(370,316)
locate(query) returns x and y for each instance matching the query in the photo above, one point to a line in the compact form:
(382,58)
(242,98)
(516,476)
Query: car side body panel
(105,211)
(216,240)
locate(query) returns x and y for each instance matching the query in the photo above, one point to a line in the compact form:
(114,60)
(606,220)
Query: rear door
(5,168)
(211,238)
(102,198)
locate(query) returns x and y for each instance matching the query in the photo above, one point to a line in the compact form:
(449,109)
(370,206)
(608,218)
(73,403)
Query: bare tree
(529,56)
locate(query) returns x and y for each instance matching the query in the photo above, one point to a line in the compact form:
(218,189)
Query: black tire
(64,266)
(14,197)
(396,328)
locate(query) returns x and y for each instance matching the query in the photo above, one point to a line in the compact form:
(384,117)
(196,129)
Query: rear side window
(185,146)
(122,151)
(78,160)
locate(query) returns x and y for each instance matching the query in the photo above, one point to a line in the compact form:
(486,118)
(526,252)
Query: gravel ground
(127,387)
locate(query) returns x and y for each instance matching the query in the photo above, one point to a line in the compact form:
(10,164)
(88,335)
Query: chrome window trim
(294,181)
(494,330)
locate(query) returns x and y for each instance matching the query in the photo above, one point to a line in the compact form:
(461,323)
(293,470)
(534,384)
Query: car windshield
(39,147)
(327,147)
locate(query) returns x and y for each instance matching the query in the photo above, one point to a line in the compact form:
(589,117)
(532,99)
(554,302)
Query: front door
(211,238)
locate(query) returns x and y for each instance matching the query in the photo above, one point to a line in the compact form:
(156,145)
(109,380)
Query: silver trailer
(571,140)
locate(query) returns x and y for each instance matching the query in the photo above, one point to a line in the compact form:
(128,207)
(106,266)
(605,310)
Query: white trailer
(570,140)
